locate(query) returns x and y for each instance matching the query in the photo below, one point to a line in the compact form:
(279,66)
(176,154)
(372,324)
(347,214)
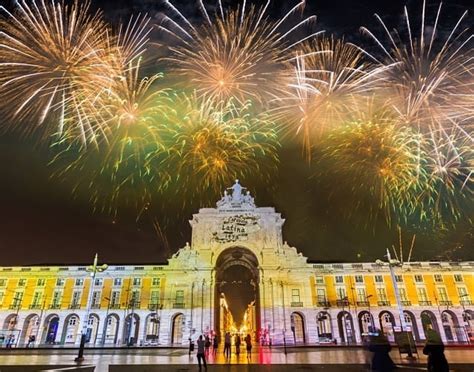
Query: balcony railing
(363,303)
(74,306)
(296,304)
(383,303)
(95,306)
(35,306)
(55,306)
(406,303)
(424,303)
(114,306)
(465,302)
(324,304)
(342,303)
(446,303)
(154,307)
(178,305)
(14,307)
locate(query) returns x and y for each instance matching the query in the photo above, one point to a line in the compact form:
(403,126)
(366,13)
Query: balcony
(296,304)
(74,306)
(55,306)
(154,307)
(95,306)
(424,303)
(178,305)
(406,303)
(15,307)
(363,303)
(465,302)
(446,303)
(114,306)
(35,306)
(324,304)
(342,303)
(383,303)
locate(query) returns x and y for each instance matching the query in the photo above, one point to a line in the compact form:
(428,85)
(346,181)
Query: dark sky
(41,223)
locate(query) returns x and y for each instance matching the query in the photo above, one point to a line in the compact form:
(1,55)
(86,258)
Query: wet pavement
(178,359)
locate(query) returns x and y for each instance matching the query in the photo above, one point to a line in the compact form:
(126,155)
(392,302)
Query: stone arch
(324,323)
(10,322)
(130,329)
(227,260)
(152,329)
(410,321)
(451,327)
(346,327)
(429,321)
(92,328)
(177,328)
(468,319)
(110,333)
(50,329)
(30,328)
(297,324)
(366,323)
(71,329)
(387,324)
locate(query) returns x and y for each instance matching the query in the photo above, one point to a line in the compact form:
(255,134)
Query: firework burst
(236,55)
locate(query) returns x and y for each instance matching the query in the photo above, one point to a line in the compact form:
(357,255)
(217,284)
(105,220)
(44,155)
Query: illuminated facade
(166,304)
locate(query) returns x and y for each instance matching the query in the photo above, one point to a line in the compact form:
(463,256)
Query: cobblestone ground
(302,359)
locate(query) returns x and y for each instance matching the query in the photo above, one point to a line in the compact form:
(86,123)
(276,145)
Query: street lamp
(93,270)
(367,298)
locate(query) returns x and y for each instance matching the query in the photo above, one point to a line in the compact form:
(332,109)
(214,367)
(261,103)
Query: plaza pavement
(262,359)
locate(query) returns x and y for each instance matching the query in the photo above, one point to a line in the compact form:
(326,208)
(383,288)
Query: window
(96,299)
(319,280)
(98,282)
(76,298)
(438,278)
(59,282)
(321,293)
(21,282)
(464,297)
(179,298)
(418,278)
(341,293)
(403,294)
(382,294)
(359,279)
(117,281)
(443,295)
(339,279)
(155,281)
(40,282)
(155,297)
(1,298)
(17,299)
(3,282)
(399,278)
(135,298)
(295,295)
(137,281)
(37,298)
(57,297)
(115,298)
(422,296)
(79,282)
(361,295)
(458,278)
(378,279)
(72,321)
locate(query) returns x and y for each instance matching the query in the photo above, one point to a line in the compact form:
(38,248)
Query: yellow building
(300,301)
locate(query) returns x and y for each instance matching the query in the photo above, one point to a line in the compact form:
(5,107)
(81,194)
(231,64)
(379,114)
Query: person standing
(201,356)
(215,345)
(381,360)
(434,348)
(237,344)
(227,345)
(207,344)
(248,341)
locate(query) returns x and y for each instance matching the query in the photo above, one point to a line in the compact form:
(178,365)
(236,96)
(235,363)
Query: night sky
(40,222)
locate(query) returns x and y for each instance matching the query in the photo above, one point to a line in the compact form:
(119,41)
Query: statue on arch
(237,196)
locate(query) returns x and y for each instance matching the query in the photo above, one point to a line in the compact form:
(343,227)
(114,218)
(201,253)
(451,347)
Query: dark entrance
(237,279)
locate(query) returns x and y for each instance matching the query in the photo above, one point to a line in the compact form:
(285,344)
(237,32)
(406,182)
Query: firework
(236,55)
(327,74)
(211,146)
(125,168)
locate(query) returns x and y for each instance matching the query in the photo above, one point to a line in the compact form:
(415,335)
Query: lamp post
(93,270)
(465,317)
(104,331)
(367,298)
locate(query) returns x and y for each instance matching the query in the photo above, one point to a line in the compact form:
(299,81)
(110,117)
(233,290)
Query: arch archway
(428,320)
(387,322)
(111,329)
(50,327)
(237,275)
(10,322)
(70,329)
(323,320)
(152,329)
(468,319)
(177,329)
(92,328)
(130,329)
(366,323)
(298,328)
(451,327)
(346,327)
(410,321)
(30,328)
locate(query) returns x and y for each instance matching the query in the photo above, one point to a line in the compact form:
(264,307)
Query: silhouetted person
(31,340)
(215,344)
(227,345)
(434,348)
(201,356)
(238,342)
(207,344)
(381,360)
(191,346)
(248,341)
